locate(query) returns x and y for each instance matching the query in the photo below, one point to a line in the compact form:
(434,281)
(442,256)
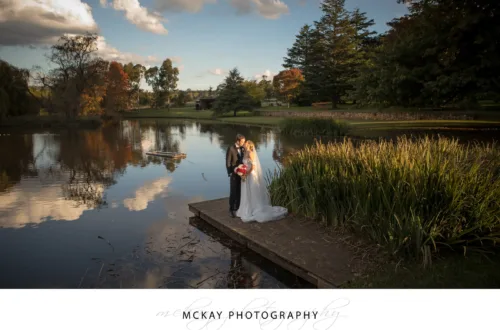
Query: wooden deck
(300,246)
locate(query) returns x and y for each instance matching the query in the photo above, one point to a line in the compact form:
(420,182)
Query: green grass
(314,127)
(413,197)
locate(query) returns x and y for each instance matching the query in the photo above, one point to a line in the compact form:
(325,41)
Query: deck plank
(298,245)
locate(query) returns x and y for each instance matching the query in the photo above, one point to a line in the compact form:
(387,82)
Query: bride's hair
(250,148)
(250,145)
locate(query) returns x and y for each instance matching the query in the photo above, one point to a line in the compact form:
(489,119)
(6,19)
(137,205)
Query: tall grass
(412,196)
(314,127)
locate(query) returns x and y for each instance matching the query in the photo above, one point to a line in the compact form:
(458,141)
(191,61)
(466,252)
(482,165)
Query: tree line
(82,83)
(443,53)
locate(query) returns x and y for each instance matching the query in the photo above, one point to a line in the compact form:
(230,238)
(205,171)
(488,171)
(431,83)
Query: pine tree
(299,55)
(302,56)
(232,95)
(336,51)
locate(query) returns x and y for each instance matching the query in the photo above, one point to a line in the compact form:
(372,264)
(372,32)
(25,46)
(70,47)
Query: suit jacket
(233,159)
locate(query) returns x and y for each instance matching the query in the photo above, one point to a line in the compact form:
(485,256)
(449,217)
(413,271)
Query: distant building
(271,102)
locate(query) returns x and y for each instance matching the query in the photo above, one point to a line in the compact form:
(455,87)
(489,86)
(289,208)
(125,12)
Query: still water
(89,208)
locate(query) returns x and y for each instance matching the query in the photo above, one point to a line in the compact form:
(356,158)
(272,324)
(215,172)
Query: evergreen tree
(338,49)
(232,95)
(304,55)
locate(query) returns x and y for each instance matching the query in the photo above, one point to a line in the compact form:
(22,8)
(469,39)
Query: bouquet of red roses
(242,171)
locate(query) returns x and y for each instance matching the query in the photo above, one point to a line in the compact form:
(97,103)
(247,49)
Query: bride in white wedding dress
(255,203)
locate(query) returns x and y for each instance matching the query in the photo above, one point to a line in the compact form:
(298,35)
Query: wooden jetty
(297,245)
(167,154)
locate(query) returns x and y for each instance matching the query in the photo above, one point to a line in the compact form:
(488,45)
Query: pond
(89,208)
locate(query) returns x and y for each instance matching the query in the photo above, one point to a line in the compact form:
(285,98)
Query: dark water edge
(14,124)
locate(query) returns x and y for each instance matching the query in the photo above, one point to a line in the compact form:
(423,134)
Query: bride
(255,202)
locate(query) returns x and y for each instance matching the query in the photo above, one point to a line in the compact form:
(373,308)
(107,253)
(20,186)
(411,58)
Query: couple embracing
(249,199)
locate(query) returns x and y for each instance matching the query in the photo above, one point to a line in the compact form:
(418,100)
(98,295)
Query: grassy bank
(182,113)
(357,128)
(37,122)
(314,127)
(413,197)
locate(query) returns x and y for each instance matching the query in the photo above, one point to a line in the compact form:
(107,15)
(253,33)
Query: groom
(234,158)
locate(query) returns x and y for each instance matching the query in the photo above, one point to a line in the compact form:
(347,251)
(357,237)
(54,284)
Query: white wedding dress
(255,204)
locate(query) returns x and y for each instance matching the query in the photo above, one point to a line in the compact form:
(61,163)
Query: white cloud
(217,72)
(270,9)
(43,21)
(146,194)
(269,75)
(140,16)
(192,6)
(110,53)
(176,59)
(32,203)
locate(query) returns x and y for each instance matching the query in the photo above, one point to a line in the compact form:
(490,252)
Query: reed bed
(414,197)
(314,127)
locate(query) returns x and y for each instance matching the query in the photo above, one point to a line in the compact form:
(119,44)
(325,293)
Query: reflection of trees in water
(89,161)
(92,159)
(163,140)
(226,134)
(17,159)
(285,145)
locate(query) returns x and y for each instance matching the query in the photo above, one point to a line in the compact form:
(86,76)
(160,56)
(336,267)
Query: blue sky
(205,37)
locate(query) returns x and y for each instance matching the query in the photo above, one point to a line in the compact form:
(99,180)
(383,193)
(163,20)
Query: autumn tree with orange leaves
(287,84)
(117,94)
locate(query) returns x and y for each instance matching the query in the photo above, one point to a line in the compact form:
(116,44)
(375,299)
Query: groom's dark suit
(234,158)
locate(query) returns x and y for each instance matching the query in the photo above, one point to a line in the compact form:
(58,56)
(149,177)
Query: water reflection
(247,269)
(89,208)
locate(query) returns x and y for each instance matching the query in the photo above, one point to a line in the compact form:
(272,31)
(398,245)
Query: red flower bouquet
(242,171)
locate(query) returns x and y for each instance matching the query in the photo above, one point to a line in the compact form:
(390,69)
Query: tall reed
(414,197)
(314,127)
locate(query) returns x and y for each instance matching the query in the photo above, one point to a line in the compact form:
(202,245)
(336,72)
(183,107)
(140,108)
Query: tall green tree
(77,72)
(267,86)
(306,56)
(232,95)
(299,56)
(163,81)
(256,92)
(135,73)
(337,48)
(444,52)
